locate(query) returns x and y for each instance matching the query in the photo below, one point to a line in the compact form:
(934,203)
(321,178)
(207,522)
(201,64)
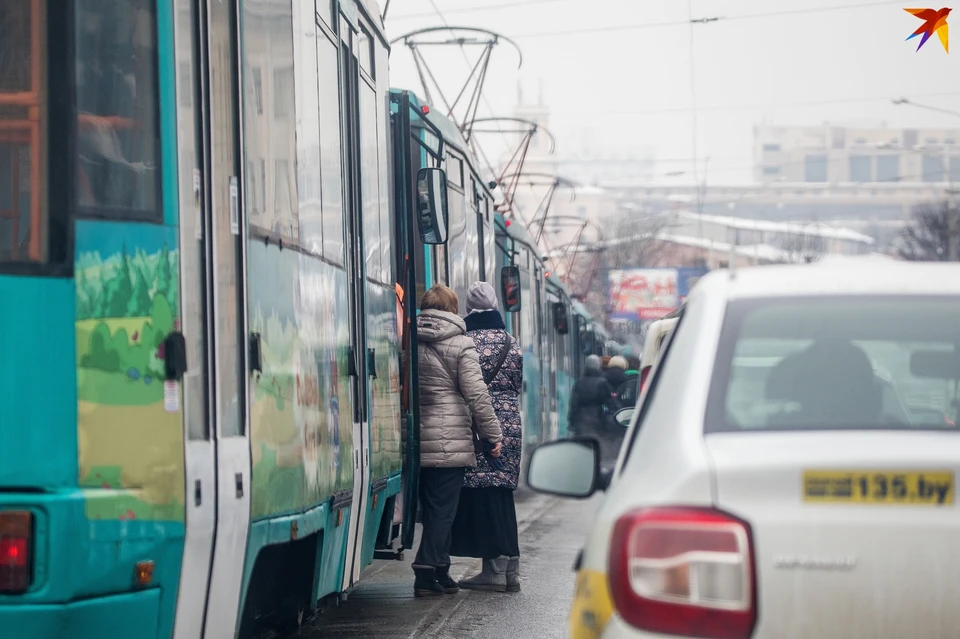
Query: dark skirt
(486,524)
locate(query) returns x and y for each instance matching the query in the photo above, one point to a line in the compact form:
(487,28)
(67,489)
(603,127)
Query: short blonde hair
(440,298)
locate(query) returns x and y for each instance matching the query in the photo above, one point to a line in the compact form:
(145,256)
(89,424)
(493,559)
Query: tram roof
(557,283)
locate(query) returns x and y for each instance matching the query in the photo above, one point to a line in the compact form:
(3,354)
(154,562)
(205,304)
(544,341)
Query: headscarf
(481,297)
(592,363)
(618,362)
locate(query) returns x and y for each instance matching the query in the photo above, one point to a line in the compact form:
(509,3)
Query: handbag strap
(500,360)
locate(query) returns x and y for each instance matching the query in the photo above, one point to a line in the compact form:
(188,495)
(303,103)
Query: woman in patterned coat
(486,522)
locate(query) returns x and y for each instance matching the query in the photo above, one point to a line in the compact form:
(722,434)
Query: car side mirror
(624,416)
(568,468)
(432,205)
(510,288)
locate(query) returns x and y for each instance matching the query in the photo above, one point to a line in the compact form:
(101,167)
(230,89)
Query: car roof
(837,277)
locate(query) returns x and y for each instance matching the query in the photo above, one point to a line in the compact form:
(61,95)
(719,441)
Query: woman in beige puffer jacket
(452,390)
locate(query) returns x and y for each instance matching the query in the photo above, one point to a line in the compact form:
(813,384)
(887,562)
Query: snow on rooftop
(760,251)
(813,228)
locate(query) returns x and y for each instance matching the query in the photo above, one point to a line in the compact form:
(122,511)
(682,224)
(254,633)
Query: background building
(838,154)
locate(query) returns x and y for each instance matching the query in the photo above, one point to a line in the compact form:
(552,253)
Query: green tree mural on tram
(126,306)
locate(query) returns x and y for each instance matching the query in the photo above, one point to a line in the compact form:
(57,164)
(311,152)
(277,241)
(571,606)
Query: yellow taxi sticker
(931,488)
(592,605)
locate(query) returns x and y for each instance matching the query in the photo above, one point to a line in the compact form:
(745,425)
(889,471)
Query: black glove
(495,463)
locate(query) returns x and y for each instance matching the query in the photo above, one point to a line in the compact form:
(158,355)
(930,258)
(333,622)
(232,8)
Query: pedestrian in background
(452,396)
(593,404)
(486,523)
(591,399)
(616,371)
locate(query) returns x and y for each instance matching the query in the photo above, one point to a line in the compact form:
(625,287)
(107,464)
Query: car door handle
(197,493)
(238,478)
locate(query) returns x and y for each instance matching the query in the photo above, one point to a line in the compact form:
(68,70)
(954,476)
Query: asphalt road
(552,531)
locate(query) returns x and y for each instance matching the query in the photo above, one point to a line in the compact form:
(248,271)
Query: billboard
(642,293)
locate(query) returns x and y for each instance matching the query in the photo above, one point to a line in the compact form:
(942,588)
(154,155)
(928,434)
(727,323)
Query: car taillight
(15,531)
(684,571)
(643,377)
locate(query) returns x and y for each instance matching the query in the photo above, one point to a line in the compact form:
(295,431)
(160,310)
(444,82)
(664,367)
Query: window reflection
(270,142)
(22,206)
(370,188)
(308,126)
(330,161)
(386,225)
(117,106)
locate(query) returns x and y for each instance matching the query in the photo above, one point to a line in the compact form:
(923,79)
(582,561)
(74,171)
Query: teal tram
(216,219)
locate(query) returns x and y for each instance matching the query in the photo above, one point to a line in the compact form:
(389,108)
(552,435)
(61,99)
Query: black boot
(425,584)
(443,578)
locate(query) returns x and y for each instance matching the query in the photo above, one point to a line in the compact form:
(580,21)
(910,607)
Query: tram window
(23,178)
(454,171)
(328,13)
(386,219)
(310,220)
(118,149)
(481,245)
(422,133)
(330,161)
(370,181)
(364,49)
(489,242)
(441,270)
(458,243)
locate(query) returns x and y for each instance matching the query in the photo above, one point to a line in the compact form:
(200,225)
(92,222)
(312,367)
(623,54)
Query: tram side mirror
(432,205)
(560,320)
(510,288)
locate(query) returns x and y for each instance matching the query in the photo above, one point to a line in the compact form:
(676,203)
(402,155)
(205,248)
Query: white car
(790,472)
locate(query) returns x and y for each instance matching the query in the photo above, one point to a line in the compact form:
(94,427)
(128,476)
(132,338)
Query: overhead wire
(489,164)
(478,8)
(748,107)
(691,20)
(466,59)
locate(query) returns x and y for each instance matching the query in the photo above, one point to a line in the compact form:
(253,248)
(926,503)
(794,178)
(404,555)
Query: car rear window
(837,363)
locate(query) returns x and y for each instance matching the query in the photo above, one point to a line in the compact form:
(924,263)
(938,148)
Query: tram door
(350,87)
(543,349)
(218,449)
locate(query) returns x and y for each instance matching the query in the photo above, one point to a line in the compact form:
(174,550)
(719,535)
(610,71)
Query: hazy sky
(629,89)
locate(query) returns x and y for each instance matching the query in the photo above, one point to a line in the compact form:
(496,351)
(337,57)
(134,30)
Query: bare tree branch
(635,242)
(800,248)
(927,236)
